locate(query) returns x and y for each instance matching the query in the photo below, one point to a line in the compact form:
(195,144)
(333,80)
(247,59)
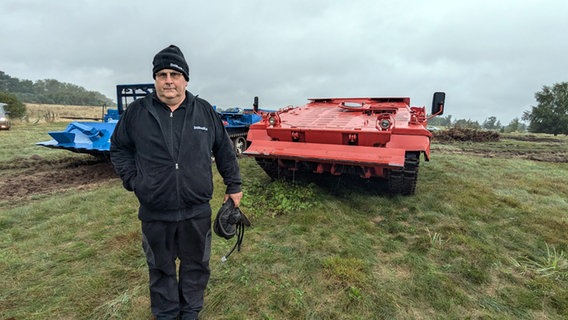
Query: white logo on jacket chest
(200,128)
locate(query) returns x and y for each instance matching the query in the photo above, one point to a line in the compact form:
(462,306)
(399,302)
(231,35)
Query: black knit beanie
(170,58)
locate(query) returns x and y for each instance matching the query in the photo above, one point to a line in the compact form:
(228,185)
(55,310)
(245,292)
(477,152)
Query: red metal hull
(370,137)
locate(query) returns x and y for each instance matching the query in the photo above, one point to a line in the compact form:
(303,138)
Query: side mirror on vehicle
(438,103)
(255,104)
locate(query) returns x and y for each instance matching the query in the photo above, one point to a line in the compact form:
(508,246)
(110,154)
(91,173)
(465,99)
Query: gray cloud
(490,57)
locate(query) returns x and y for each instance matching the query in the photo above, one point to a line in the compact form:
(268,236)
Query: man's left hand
(236,197)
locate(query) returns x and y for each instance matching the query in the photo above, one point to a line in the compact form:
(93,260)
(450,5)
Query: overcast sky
(490,57)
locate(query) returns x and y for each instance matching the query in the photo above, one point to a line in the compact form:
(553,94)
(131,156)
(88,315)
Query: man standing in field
(161,148)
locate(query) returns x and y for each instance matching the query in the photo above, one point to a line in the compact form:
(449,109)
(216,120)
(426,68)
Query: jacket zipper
(176,164)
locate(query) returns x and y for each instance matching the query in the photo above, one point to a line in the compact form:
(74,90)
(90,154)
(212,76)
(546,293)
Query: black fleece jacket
(168,164)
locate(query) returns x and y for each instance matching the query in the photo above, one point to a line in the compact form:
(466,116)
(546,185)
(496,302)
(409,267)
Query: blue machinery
(94,137)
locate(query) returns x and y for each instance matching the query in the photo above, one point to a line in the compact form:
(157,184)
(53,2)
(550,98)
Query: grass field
(483,238)
(56,112)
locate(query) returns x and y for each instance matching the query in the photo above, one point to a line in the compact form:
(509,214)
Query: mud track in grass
(24,179)
(534,148)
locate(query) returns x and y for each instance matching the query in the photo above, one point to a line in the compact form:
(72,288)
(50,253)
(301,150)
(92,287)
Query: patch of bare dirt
(545,149)
(533,138)
(543,156)
(466,134)
(36,176)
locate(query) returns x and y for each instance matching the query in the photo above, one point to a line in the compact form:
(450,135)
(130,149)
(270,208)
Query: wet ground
(527,147)
(23,179)
(35,176)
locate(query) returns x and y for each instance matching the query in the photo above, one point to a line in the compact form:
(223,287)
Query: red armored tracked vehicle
(369,137)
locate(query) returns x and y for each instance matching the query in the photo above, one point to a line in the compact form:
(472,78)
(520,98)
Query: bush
(16,108)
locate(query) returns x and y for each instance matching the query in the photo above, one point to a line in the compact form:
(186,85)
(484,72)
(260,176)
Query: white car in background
(4,121)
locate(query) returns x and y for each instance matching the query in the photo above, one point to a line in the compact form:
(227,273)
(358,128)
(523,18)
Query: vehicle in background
(373,138)
(4,120)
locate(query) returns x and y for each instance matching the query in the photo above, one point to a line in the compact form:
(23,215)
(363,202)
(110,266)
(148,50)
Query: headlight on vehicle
(385,124)
(273,119)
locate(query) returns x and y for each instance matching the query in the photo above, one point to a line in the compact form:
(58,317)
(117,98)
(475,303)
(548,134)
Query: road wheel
(240,144)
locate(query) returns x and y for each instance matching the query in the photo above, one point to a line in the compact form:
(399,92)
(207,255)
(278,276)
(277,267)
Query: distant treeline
(51,91)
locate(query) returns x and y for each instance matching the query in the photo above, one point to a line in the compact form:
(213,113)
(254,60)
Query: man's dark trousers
(190,241)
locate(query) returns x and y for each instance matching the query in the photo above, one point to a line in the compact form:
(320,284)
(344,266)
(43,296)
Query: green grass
(20,141)
(483,238)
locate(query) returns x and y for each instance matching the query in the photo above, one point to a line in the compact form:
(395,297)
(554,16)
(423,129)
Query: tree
(550,115)
(16,108)
(470,124)
(50,91)
(491,123)
(441,121)
(515,126)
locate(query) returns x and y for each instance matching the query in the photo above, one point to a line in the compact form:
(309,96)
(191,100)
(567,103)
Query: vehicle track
(26,178)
